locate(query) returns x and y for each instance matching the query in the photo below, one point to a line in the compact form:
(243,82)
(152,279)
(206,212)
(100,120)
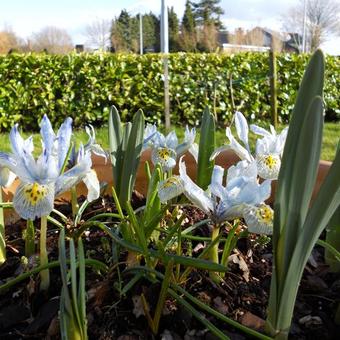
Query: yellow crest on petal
(265,214)
(35,192)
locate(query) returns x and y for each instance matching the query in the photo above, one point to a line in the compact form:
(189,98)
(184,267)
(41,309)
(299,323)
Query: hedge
(84,86)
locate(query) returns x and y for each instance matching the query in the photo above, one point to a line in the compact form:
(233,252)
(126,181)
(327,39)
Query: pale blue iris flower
(166,149)
(242,196)
(268,149)
(41,179)
(91,146)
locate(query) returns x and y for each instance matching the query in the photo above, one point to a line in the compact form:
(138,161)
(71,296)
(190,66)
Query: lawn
(330,138)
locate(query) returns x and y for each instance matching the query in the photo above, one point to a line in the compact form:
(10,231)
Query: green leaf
(302,174)
(205,166)
(131,157)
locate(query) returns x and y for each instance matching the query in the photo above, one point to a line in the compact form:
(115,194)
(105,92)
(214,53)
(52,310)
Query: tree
(188,29)
(173,30)
(121,32)
(208,12)
(151,32)
(207,15)
(98,33)
(8,41)
(322,20)
(53,40)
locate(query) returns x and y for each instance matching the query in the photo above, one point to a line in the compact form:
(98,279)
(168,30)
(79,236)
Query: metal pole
(304,26)
(165,51)
(273,90)
(140,34)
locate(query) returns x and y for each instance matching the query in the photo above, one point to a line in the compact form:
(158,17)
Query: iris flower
(268,149)
(165,149)
(41,179)
(242,196)
(91,146)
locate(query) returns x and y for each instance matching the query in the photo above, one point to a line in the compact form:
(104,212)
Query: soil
(243,296)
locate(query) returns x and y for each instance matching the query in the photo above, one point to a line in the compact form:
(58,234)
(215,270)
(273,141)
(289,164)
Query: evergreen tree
(151,32)
(121,32)
(208,12)
(173,30)
(187,39)
(188,21)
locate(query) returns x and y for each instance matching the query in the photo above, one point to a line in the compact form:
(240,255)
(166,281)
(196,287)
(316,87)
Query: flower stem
(74,201)
(2,233)
(44,274)
(214,253)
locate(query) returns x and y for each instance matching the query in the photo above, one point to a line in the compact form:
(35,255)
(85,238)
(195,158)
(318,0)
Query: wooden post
(273,89)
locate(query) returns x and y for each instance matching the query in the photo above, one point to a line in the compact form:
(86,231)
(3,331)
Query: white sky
(28,16)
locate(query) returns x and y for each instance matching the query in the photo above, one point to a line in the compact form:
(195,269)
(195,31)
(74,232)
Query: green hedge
(84,86)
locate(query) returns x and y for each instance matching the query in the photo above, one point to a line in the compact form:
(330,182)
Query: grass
(331,136)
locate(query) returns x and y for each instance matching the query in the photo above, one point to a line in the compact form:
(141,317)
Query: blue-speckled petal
(33,200)
(259,219)
(165,157)
(170,188)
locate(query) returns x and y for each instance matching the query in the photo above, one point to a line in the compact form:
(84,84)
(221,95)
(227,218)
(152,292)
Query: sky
(25,17)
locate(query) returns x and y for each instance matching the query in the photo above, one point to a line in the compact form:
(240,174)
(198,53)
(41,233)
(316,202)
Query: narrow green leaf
(132,156)
(206,147)
(115,139)
(302,175)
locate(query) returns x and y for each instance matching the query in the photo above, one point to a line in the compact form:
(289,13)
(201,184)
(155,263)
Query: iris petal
(171,140)
(237,147)
(170,188)
(48,136)
(259,219)
(268,166)
(216,186)
(64,139)
(75,175)
(242,128)
(165,157)
(33,200)
(194,193)
(92,184)
(6,177)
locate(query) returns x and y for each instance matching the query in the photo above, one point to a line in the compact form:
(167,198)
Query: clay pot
(225,159)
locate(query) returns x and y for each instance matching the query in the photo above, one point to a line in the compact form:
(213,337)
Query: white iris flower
(268,149)
(165,149)
(41,179)
(242,196)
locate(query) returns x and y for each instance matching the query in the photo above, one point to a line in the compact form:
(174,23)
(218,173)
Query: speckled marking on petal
(35,192)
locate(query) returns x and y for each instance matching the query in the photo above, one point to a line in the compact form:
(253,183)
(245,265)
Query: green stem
(74,201)
(44,274)
(2,233)
(214,252)
(95,264)
(29,239)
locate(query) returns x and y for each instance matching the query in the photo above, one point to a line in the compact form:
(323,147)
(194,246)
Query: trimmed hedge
(84,86)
